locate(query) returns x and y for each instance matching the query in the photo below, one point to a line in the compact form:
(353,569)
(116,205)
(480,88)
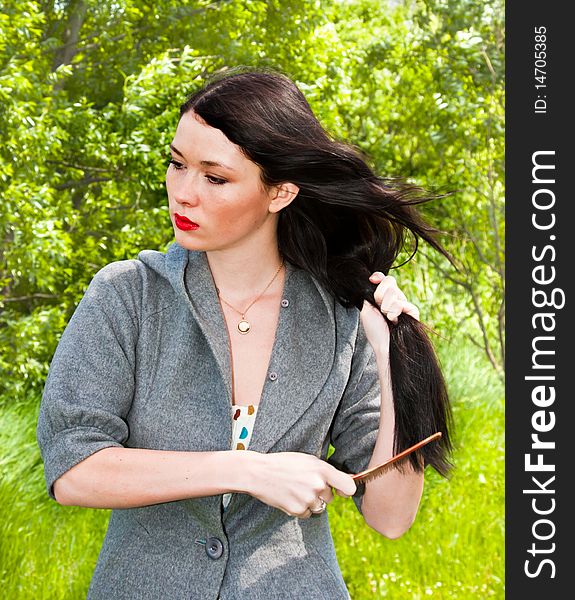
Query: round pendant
(244,326)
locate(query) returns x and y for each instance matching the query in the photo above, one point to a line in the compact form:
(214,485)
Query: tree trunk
(76,15)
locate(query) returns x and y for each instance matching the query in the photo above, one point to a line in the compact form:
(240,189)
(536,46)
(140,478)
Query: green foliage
(423,94)
(89,101)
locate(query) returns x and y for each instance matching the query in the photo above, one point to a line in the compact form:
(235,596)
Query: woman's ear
(284,194)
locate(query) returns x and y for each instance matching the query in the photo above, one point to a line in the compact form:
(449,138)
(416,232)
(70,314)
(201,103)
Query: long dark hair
(345,223)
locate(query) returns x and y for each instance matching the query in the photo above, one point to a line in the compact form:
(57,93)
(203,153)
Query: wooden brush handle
(360,476)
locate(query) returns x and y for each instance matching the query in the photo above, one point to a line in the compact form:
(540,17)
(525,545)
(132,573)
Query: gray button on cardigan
(144,363)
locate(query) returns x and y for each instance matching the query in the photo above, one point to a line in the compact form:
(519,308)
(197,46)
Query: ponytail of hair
(341,248)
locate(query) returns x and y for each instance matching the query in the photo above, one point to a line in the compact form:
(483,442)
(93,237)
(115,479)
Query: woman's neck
(240,275)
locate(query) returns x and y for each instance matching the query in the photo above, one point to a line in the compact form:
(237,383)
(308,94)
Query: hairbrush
(393,462)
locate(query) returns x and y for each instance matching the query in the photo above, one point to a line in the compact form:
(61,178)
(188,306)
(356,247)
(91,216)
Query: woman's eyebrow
(205,163)
(174,149)
(212,163)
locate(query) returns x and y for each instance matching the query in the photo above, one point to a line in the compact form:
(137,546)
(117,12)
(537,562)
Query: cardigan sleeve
(90,384)
(356,422)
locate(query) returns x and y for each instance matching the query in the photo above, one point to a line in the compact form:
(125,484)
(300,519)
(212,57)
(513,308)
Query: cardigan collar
(304,347)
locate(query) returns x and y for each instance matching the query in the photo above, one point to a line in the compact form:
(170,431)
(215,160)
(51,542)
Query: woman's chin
(189,241)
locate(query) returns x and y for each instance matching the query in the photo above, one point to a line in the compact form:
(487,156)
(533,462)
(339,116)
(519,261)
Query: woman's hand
(392,302)
(294,481)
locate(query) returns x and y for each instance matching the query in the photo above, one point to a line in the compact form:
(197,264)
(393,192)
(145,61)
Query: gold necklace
(244,325)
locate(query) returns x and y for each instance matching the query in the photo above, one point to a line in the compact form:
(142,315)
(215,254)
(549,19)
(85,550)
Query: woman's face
(216,197)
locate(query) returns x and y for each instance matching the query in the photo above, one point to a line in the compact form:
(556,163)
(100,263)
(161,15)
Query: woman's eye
(215,180)
(176,164)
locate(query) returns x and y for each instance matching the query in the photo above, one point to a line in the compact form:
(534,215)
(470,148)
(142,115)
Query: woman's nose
(186,192)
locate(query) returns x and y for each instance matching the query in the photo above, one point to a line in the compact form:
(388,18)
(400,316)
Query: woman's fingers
(295,481)
(343,485)
(342,482)
(326,495)
(390,299)
(411,310)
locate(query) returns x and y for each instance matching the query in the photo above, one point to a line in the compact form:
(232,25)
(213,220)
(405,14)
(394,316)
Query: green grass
(455,549)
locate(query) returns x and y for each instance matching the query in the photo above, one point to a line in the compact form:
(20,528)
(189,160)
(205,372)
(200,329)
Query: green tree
(421,90)
(89,100)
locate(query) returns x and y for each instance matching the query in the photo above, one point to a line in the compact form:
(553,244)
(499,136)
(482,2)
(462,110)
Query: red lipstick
(184,223)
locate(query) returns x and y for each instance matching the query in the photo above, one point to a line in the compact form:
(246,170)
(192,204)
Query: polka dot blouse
(243,419)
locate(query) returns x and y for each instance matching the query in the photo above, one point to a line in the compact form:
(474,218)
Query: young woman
(196,392)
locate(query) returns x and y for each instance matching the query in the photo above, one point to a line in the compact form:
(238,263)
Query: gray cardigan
(144,363)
